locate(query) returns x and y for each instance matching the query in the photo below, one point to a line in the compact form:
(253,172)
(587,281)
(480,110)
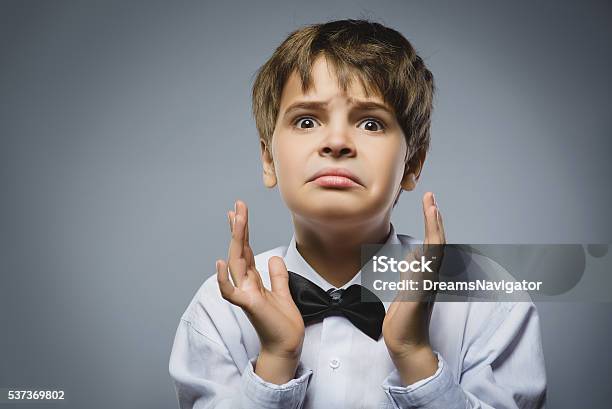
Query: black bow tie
(315,304)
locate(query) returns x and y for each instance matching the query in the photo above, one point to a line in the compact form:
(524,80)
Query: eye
(307,121)
(378,125)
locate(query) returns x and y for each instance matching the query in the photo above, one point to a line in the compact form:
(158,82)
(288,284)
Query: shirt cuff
(258,393)
(437,391)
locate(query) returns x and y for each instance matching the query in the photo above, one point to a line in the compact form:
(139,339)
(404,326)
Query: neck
(334,251)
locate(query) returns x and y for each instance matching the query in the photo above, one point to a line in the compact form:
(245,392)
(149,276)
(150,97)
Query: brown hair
(381,58)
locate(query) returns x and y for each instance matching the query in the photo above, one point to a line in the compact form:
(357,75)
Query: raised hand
(406,324)
(273,313)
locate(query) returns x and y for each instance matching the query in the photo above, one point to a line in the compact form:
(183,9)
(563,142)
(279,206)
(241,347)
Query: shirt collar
(296,263)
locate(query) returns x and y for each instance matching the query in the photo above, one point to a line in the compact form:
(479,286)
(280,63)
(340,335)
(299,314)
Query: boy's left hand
(406,325)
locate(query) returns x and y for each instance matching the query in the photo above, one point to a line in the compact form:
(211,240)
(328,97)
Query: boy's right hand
(273,313)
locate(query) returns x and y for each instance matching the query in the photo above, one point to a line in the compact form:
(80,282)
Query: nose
(338,143)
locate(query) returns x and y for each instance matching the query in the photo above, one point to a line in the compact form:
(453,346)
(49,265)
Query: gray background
(126,134)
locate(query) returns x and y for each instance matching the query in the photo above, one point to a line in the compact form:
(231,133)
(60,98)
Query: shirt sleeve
(503,371)
(262,394)
(205,376)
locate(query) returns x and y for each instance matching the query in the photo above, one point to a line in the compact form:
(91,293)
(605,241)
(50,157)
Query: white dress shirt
(489,355)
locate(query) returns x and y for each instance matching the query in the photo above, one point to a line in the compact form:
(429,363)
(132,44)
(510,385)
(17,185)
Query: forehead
(324,86)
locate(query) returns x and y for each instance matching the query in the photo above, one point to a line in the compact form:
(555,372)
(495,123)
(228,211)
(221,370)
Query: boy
(343,112)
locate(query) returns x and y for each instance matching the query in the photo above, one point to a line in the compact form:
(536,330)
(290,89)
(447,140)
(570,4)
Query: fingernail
(434,199)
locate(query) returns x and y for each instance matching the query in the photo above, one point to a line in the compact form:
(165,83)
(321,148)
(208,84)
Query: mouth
(336,177)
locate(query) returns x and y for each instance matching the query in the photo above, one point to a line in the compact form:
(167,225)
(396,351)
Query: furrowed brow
(370,106)
(314,105)
(320,105)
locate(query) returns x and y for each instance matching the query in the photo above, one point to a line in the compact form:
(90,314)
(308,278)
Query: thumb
(279,277)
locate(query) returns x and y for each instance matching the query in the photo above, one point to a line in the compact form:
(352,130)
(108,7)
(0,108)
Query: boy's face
(366,141)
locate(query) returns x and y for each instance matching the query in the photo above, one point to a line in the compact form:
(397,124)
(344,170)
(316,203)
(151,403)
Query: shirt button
(334,363)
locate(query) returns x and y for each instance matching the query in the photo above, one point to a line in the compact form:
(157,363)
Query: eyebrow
(357,104)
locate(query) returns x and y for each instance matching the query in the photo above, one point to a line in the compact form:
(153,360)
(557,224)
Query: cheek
(288,164)
(290,177)
(387,164)
(386,182)
(385,178)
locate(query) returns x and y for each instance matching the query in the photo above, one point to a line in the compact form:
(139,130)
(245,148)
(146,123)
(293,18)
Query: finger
(230,220)
(238,271)
(441,225)
(246,232)
(279,276)
(247,251)
(251,270)
(439,220)
(237,237)
(249,257)
(434,240)
(438,251)
(226,287)
(243,210)
(235,254)
(431,223)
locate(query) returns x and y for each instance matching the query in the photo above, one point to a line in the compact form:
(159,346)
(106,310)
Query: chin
(332,205)
(333,210)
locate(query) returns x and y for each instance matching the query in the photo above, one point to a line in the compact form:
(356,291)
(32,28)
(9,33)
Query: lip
(335,177)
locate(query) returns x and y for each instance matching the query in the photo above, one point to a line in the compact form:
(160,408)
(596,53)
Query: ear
(269,174)
(413,169)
